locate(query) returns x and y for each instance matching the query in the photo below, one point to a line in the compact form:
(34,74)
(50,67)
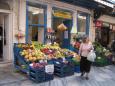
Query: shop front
(105,33)
(42,16)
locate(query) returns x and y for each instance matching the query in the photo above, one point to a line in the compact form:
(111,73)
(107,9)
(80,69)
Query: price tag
(49,68)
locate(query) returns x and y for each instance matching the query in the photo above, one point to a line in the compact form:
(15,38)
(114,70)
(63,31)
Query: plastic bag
(91,56)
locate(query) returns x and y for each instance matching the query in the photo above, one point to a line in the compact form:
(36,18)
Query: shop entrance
(62,37)
(102,35)
(4,18)
(105,36)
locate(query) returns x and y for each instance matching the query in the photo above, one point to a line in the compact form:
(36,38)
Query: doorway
(105,36)
(62,37)
(102,35)
(3,29)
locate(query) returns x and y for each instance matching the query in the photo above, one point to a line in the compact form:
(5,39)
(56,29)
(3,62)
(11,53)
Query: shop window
(36,34)
(81,24)
(35,24)
(35,15)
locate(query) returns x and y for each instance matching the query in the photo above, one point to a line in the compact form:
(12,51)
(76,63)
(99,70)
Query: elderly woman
(84,50)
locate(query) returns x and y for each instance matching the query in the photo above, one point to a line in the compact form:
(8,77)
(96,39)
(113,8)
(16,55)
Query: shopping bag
(91,56)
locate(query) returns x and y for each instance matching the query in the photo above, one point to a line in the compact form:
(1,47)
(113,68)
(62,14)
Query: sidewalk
(104,76)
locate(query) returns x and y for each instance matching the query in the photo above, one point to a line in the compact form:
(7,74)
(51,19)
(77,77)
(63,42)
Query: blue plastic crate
(63,70)
(77,69)
(49,77)
(38,75)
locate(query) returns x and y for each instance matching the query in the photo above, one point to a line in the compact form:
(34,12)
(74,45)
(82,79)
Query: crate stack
(39,75)
(63,70)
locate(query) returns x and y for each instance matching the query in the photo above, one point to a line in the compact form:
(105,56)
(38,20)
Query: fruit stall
(41,62)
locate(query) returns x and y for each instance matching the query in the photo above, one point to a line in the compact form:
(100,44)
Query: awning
(104,6)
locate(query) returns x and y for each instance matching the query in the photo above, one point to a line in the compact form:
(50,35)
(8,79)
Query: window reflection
(81,23)
(35,15)
(36,34)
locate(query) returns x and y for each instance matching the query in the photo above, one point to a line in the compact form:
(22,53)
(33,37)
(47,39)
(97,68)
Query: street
(99,76)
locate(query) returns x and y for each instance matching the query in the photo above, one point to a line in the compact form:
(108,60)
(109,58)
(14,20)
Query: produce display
(32,55)
(103,54)
(35,52)
(36,57)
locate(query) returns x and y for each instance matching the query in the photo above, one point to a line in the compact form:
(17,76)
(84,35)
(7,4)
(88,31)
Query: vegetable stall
(104,56)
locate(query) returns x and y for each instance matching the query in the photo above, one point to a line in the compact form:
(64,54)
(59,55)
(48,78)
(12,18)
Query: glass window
(35,15)
(36,34)
(81,23)
(36,24)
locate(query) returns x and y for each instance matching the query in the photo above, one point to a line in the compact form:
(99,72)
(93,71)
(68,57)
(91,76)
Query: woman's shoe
(82,74)
(87,78)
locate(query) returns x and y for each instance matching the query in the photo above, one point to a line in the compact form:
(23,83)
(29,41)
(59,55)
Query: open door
(66,35)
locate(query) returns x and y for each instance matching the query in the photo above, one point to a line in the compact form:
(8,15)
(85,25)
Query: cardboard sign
(49,68)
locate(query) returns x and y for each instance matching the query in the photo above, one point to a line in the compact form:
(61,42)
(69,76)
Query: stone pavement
(103,76)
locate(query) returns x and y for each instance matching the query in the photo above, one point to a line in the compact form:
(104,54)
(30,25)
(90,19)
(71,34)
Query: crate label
(49,68)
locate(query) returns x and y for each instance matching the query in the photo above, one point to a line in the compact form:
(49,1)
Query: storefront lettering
(62,14)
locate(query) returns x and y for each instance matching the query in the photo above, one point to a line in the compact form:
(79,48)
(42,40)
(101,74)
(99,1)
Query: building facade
(32,18)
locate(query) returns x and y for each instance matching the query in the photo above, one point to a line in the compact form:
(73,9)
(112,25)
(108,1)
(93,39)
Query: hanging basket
(62,27)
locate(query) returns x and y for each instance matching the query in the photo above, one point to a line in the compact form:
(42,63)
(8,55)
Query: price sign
(49,68)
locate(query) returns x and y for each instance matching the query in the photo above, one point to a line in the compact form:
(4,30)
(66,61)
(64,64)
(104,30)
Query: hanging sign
(62,14)
(98,24)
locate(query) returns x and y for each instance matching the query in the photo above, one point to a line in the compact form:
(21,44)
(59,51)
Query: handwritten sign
(49,68)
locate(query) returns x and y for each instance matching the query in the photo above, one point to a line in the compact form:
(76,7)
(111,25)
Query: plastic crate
(69,58)
(49,77)
(63,70)
(19,61)
(38,75)
(101,64)
(77,69)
